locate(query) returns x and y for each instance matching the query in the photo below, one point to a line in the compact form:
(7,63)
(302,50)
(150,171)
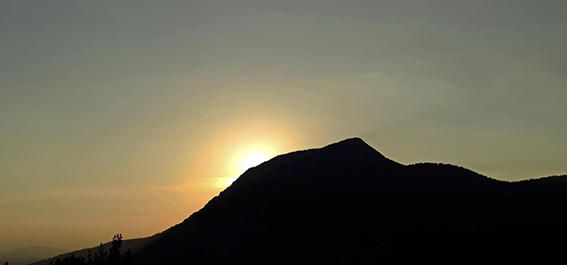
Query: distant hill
(347,203)
(29,254)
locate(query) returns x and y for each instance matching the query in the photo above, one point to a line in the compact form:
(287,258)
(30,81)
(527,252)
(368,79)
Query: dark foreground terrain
(346,203)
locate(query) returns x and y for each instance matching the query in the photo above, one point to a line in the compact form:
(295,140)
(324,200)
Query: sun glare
(251,156)
(248,157)
(253,159)
(243,145)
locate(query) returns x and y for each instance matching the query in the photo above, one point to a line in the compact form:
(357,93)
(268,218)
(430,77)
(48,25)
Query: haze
(124,116)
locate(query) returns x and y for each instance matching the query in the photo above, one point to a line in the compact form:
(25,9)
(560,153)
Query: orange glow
(244,158)
(253,159)
(236,147)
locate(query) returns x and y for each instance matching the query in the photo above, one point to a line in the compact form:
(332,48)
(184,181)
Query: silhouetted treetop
(101,257)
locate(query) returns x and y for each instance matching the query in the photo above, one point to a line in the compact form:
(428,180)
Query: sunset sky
(127,116)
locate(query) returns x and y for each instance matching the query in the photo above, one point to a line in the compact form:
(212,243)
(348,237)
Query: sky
(127,116)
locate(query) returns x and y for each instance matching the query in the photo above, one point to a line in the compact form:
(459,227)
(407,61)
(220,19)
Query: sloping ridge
(347,203)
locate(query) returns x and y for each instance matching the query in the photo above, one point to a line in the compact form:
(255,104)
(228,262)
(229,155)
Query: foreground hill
(347,203)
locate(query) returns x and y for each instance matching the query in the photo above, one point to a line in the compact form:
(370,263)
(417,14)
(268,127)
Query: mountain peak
(350,141)
(354,142)
(353,147)
(323,164)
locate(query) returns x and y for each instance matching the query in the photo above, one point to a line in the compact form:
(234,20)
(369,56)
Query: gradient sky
(123,116)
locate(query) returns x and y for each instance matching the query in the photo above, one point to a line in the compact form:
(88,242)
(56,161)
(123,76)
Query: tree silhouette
(101,256)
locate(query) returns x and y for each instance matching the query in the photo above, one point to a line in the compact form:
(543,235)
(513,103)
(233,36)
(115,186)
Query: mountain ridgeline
(347,203)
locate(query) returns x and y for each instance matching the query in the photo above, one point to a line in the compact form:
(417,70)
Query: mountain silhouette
(348,203)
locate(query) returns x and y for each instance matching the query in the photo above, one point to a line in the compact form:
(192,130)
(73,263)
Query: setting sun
(245,157)
(250,155)
(246,160)
(253,159)
(241,144)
